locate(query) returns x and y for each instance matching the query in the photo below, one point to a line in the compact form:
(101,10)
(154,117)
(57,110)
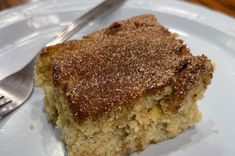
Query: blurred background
(225,6)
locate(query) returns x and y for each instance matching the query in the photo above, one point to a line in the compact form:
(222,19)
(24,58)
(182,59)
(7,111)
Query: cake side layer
(43,78)
(113,67)
(126,131)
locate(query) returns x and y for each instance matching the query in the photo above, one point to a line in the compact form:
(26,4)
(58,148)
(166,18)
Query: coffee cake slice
(121,88)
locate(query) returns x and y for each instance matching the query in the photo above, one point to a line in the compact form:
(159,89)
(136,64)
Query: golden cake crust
(113,67)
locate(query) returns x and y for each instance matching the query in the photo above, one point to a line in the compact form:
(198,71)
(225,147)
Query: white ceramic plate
(24,30)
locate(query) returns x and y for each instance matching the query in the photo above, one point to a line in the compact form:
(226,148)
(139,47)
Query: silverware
(17,88)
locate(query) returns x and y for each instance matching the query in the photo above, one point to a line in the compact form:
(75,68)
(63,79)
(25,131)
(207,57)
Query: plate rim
(190,11)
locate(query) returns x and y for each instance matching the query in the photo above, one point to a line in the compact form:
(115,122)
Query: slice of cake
(122,88)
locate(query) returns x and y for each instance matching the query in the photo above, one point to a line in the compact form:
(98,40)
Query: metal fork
(17,88)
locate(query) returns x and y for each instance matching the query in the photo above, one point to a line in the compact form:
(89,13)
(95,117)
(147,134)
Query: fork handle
(82,21)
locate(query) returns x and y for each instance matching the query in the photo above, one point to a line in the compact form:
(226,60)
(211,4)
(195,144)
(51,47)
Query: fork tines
(4,100)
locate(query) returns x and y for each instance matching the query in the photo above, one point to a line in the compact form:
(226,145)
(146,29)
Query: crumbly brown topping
(113,67)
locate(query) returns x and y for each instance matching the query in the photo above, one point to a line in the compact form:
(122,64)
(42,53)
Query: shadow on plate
(185,140)
(50,134)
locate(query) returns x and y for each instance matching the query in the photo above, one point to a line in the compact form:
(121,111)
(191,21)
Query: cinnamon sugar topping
(113,67)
